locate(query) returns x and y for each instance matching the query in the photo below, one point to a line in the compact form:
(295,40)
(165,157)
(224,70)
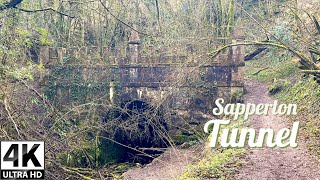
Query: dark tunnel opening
(138,130)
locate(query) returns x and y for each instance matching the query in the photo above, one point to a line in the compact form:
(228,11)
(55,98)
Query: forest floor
(263,163)
(275,163)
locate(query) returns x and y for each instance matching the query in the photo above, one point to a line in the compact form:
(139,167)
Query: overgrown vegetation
(218,163)
(68,107)
(71,115)
(272,66)
(215,165)
(305,93)
(282,70)
(290,86)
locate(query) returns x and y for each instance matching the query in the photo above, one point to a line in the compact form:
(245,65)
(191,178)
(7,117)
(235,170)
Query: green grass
(276,69)
(217,163)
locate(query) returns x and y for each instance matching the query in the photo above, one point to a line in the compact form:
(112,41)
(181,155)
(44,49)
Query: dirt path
(275,163)
(168,166)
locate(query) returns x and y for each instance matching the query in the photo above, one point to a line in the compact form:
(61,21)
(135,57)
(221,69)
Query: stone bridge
(182,78)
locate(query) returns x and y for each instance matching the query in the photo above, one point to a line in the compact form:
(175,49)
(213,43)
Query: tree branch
(158,14)
(43,10)
(13,5)
(10,4)
(316,23)
(303,59)
(250,56)
(311,71)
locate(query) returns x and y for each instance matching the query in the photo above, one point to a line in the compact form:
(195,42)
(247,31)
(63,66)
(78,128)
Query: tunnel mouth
(138,130)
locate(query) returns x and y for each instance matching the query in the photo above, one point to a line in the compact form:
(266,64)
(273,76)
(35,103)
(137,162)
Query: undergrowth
(266,69)
(306,94)
(217,163)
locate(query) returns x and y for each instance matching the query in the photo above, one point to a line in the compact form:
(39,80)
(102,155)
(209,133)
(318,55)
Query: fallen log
(153,149)
(311,71)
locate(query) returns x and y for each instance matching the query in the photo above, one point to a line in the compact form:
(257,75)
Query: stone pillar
(117,58)
(43,59)
(53,56)
(106,55)
(133,55)
(82,54)
(44,55)
(238,58)
(112,93)
(133,51)
(61,52)
(239,53)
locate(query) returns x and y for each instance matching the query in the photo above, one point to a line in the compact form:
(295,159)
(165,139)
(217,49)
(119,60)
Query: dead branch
(311,71)
(314,51)
(250,56)
(6,107)
(260,71)
(316,24)
(43,10)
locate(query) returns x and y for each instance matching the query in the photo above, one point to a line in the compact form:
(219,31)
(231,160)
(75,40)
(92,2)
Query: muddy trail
(262,163)
(275,163)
